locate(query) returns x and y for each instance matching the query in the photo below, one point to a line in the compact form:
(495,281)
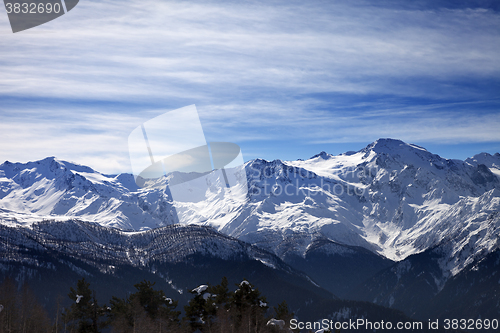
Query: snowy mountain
(51,188)
(355,214)
(392,198)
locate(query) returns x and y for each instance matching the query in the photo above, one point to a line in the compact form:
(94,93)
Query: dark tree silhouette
(20,311)
(85,315)
(145,310)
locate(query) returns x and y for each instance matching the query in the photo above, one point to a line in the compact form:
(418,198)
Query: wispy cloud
(258,70)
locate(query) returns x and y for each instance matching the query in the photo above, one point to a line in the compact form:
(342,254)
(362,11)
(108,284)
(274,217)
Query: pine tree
(85,315)
(247,308)
(208,307)
(281,312)
(144,310)
(197,312)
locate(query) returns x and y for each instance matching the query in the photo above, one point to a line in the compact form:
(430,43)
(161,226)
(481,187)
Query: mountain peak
(387,145)
(51,163)
(55,162)
(324,155)
(491,161)
(49,159)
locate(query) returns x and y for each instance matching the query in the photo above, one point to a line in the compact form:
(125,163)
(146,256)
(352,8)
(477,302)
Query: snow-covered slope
(393,198)
(390,197)
(52,188)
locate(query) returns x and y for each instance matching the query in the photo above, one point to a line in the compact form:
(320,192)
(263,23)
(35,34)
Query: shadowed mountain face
(338,268)
(52,256)
(418,286)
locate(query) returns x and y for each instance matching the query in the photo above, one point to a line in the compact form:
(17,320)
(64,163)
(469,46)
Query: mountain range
(391,224)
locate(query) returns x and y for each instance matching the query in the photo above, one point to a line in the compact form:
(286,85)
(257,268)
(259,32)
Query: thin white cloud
(139,47)
(97,140)
(421,123)
(257,71)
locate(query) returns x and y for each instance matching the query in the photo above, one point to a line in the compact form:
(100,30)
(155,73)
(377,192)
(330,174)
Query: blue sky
(283,79)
